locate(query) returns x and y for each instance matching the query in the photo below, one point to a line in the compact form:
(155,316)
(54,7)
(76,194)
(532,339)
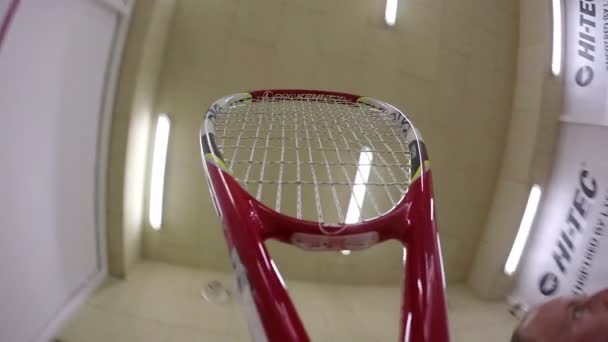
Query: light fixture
(390,14)
(524,230)
(161,141)
(358,195)
(345,252)
(556,59)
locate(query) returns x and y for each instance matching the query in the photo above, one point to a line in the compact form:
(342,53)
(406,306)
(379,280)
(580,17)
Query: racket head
(319,162)
(250,218)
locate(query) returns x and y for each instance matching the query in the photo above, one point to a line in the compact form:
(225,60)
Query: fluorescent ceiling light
(524,230)
(390,14)
(556,60)
(353,214)
(161,141)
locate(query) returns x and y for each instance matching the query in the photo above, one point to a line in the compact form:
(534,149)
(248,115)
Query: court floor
(162,303)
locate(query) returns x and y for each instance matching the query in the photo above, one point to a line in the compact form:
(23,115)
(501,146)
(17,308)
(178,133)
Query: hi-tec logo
(549,283)
(402,121)
(304,97)
(575,221)
(586,41)
(215,108)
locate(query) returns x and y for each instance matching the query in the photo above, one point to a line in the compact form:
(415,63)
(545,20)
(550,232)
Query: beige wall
(530,149)
(131,125)
(449,64)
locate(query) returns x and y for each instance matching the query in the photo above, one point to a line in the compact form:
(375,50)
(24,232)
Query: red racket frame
(248,223)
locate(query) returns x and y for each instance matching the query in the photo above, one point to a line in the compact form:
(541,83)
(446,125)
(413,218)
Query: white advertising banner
(568,251)
(586,61)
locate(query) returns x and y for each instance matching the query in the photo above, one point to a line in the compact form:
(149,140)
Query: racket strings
(315,159)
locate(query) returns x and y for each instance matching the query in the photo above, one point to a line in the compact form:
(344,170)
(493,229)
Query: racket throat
(318,242)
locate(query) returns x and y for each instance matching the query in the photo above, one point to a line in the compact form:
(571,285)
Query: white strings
(301,157)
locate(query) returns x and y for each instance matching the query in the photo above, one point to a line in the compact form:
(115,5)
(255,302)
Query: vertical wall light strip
(524,230)
(358,195)
(390,14)
(157,182)
(556,59)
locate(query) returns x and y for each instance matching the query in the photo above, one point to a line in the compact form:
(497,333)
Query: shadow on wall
(131,126)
